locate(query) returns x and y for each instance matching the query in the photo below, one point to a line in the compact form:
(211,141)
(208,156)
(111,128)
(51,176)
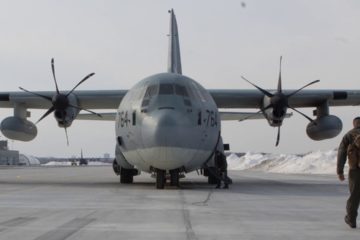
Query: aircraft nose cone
(165,136)
(163,128)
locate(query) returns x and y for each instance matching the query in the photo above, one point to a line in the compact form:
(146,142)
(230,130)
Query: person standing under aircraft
(221,166)
(350,148)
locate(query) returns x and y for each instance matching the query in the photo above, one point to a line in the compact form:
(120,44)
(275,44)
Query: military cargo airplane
(168,124)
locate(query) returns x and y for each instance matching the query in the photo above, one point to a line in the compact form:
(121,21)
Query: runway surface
(89,203)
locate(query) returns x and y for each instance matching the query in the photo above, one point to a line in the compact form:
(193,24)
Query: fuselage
(167,121)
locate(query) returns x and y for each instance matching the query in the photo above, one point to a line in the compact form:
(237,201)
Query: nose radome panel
(164,128)
(167,136)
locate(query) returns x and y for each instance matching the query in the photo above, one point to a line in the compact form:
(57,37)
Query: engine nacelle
(326,127)
(18,129)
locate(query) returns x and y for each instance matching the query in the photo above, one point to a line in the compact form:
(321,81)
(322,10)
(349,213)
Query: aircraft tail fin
(174,60)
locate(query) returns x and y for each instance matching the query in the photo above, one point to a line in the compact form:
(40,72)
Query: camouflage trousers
(352,205)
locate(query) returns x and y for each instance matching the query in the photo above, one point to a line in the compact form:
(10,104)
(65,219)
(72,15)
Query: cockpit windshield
(169,89)
(166,89)
(181,90)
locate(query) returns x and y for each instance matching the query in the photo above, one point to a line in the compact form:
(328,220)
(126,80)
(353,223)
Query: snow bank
(98,164)
(91,163)
(314,163)
(54,163)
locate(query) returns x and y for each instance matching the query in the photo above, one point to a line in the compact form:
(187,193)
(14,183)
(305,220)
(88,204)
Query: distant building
(8,157)
(106,155)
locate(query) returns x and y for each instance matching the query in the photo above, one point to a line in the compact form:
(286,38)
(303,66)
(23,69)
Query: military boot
(352,224)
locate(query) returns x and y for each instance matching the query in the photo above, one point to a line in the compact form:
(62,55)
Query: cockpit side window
(166,89)
(150,92)
(181,90)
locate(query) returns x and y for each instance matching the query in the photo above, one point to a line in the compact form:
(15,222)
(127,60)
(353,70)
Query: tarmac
(89,203)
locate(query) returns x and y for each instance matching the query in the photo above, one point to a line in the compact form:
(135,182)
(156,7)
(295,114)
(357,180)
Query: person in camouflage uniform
(350,148)
(221,164)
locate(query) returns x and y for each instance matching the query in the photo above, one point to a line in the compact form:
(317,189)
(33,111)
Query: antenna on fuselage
(174,60)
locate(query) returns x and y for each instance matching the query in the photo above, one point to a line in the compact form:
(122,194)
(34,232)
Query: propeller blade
(86,110)
(278,137)
(36,94)
(83,80)
(269,106)
(53,72)
(279,88)
(50,110)
(304,115)
(65,128)
(67,137)
(295,92)
(250,116)
(260,89)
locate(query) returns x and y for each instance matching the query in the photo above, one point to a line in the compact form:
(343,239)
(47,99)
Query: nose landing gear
(174,177)
(161,176)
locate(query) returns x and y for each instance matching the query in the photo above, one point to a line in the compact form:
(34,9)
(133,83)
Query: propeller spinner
(279,101)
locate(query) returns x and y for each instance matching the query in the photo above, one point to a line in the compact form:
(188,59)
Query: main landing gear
(127,175)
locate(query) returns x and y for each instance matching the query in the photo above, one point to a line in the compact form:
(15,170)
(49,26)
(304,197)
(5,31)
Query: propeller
(280,101)
(60,101)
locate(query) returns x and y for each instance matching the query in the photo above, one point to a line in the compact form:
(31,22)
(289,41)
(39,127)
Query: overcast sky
(125,41)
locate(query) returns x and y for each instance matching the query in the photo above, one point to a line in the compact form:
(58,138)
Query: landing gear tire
(160,179)
(174,177)
(126,176)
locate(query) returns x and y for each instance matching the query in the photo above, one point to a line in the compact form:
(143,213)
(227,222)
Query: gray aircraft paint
(167,134)
(174,60)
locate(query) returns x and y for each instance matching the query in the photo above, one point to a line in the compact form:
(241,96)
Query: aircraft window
(151,91)
(134,118)
(192,95)
(145,103)
(181,90)
(199,118)
(198,92)
(166,89)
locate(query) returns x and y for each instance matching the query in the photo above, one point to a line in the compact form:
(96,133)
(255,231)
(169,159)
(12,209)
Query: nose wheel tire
(160,179)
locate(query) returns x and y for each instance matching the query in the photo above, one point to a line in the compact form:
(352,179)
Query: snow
(54,163)
(318,162)
(91,163)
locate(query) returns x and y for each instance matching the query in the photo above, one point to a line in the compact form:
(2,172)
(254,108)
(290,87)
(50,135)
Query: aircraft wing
(241,116)
(225,116)
(105,116)
(97,99)
(305,98)
(224,98)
